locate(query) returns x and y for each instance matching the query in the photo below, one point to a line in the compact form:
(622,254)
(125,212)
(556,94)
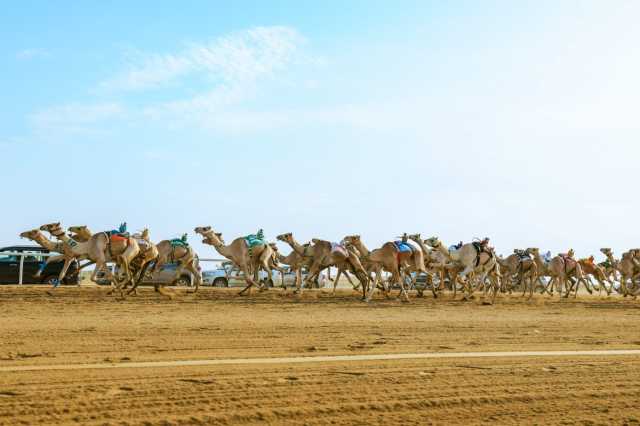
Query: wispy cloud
(242,56)
(75,118)
(218,78)
(32,53)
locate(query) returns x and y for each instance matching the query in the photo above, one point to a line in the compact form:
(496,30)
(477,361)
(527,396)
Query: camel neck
(362,248)
(297,247)
(45,242)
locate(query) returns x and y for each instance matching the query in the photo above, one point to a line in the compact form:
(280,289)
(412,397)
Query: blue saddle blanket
(403,247)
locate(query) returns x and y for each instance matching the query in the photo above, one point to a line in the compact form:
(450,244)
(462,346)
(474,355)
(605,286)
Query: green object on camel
(255,239)
(180,242)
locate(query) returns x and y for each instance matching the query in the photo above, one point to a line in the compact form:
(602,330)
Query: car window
(8,258)
(34,258)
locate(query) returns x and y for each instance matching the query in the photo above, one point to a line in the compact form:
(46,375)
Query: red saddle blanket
(119,239)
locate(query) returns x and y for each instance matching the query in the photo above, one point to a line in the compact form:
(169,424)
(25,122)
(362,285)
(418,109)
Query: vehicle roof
(24,248)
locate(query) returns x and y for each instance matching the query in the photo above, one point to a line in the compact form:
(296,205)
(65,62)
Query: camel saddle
(481,247)
(253,240)
(522,254)
(179,242)
(403,247)
(569,262)
(339,248)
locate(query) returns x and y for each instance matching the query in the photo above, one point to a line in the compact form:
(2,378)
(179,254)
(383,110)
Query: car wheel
(220,282)
(50,280)
(182,282)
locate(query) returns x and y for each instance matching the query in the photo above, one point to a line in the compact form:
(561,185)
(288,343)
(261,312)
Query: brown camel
(296,262)
(561,269)
(518,269)
(55,247)
(626,267)
(139,265)
(390,259)
(590,268)
(100,249)
(184,256)
(324,254)
(474,260)
(249,261)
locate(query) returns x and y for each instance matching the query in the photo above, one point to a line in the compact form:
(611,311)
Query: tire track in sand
(320,359)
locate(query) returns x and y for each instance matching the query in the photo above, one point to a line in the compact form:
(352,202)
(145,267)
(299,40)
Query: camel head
(50,226)
(534,251)
(287,238)
(606,251)
(210,237)
(415,237)
(433,242)
(142,235)
(31,235)
(274,247)
(202,230)
(352,239)
(80,232)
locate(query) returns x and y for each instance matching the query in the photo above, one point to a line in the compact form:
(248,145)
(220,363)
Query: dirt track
(82,325)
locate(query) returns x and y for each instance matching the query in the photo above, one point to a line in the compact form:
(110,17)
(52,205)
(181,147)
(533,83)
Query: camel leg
(314,270)
(463,275)
(137,280)
(65,267)
(248,278)
(372,290)
(197,275)
(549,286)
(49,260)
(335,281)
(348,276)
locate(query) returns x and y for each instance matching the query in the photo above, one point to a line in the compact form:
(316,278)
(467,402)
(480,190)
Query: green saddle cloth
(255,239)
(180,242)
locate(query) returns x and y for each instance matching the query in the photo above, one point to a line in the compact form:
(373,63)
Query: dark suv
(10,267)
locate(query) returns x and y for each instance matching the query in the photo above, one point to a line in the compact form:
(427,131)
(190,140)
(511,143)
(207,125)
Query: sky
(462,119)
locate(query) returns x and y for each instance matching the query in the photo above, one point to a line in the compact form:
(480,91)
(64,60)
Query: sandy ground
(83,325)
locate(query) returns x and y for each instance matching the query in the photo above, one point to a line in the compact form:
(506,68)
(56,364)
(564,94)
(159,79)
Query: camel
(183,255)
(626,267)
(521,266)
(390,259)
(59,247)
(324,254)
(377,260)
(482,263)
(140,264)
(560,269)
(296,262)
(100,249)
(248,260)
(590,268)
(439,263)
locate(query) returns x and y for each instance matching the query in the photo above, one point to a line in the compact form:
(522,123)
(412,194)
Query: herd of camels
(396,264)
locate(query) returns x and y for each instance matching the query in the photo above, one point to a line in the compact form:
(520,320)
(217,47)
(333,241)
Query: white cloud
(242,56)
(32,53)
(75,117)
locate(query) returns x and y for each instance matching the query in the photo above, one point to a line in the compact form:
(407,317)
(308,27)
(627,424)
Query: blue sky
(514,120)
